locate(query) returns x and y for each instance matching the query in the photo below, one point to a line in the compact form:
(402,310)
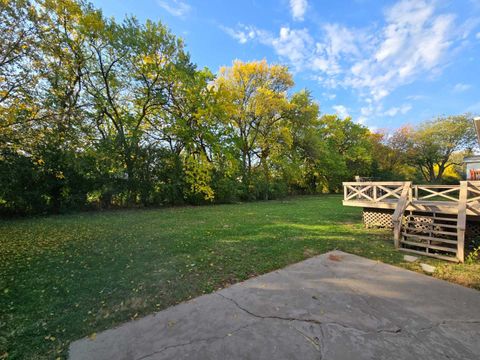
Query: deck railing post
(398,213)
(462,220)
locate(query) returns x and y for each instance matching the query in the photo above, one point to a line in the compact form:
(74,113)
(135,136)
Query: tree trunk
(130,168)
(267,179)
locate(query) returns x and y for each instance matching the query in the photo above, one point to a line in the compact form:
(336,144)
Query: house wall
(473,166)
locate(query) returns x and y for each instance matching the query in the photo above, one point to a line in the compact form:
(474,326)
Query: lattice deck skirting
(373,217)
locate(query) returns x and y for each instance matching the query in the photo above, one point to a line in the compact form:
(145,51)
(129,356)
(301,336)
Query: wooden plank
(438,256)
(433,224)
(370,204)
(429,246)
(390,192)
(462,220)
(398,213)
(358,192)
(434,193)
(386,204)
(474,199)
(454,219)
(436,206)
(473,188)
(433,231)
(392,183)
(430,238)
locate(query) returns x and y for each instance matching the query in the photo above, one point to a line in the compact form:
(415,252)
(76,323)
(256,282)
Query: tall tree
(347,151)
(307,146)
(19,26)
(390,160)
(131,70)
(258,93)
(434,142)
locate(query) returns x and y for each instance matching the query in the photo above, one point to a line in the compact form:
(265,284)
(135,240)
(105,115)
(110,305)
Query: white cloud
(298,9)
(374,109)
(329,96)
(477,35)
(293,45)
(339,41)
(413,42)
(467,27)
(460,87)
(417,97)
(393,111)
(341,111)
(415,39)
(243,34)
(175,7)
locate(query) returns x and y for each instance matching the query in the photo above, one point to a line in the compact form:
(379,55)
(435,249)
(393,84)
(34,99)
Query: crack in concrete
(323,346)
(212,338)
(367,303)
(311,340)
(446,322)
(314,321)
(268,316)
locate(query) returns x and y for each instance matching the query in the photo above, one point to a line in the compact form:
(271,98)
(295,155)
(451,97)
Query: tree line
(96,113)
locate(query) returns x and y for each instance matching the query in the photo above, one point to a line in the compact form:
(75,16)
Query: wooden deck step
(438,256)
(430,238)
(453,219)
(432,224)
(438,232)
(429,246)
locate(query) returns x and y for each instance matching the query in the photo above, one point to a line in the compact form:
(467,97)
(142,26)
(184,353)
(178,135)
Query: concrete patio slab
(333,306)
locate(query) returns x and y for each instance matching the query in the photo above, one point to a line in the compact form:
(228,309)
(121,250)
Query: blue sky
(385,63)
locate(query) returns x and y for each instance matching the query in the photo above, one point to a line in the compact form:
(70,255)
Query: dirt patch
(334,257)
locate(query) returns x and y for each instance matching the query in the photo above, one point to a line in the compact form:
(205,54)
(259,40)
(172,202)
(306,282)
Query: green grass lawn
(70,276)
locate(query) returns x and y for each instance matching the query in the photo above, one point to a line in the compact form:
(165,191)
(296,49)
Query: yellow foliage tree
(258,94)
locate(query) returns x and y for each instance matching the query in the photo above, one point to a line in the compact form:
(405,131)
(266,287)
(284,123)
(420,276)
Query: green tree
(258,94)
(19,28)
(347,151)
(307,146)
(131,69)
(433,143)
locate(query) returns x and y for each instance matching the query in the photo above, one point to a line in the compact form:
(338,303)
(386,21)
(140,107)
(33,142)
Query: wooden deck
(455,202)
(444,207)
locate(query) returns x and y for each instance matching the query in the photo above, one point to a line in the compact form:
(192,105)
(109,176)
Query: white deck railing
(384,191)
